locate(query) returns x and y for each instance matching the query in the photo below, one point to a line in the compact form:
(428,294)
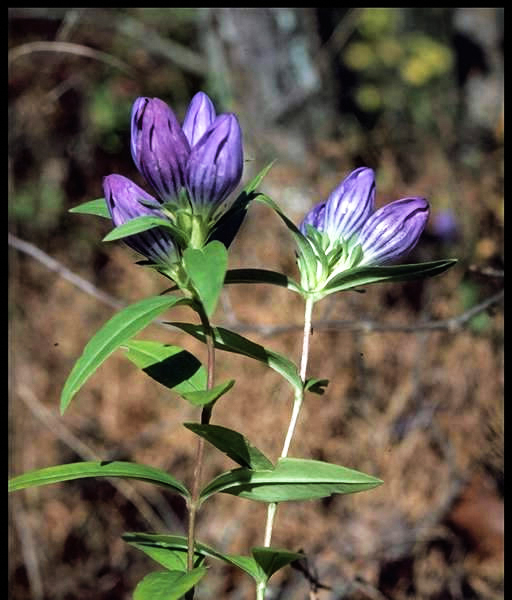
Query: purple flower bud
(200,115)
(393,230)
(123,199)
(159,147)
(315,217)
(350,204)
(215,163)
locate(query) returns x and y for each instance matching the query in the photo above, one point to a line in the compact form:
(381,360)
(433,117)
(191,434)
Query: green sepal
(203,397)
(81,470)
(97,207)
(167,585)
(232,443)
(291,479)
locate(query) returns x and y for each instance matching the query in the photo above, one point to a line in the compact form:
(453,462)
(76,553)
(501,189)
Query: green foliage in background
(399,68)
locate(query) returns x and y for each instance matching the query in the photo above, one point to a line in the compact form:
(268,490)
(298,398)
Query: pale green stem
(297,403)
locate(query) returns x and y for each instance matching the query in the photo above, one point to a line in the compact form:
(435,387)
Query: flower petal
(315,217)
(350,204)
(123,198)
(159,147)
(393,230)
(215,164)
(200,115)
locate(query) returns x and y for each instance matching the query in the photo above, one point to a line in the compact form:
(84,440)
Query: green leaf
(175,544)
(232,342)
(261,276)
(367,275)
(203,397)
(120,328)
(270,560)
(93,207)
(307,253)
(172,366)
(167,585)
(316,386)
(136,225)
(171,557)
(81,470)
(206,268)
(291,479)
(255,181)
(232,443)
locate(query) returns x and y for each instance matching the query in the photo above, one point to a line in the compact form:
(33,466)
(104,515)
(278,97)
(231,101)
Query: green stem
(297,404)
(206,414)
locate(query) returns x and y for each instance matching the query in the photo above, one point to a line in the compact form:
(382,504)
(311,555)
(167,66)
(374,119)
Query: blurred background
(416,372)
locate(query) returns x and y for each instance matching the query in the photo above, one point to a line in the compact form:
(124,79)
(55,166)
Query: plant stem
(297,403)
(206,414)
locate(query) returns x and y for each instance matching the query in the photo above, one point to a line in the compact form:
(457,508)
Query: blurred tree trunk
(268,60)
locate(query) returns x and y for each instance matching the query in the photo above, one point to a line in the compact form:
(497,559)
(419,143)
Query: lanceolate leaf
(93,207)
(82,470)
(291,479)
(367,275)
(136,226)
(305,250)
(261,276)
(171,366)
(120,328)
(167,585)
(166,550)
(174,544)
(232,342)
(232,443)
(203,397)
(206,268)
(255,181)
(270,560)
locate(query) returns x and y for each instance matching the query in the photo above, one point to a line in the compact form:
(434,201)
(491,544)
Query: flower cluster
(193,168)
(346,231)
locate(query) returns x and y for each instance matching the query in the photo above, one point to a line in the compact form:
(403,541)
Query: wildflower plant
(184,231)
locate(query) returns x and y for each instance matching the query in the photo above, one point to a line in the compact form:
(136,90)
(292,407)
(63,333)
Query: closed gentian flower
(200,115)
(192,168)
(215,164)
(204,158)
(126,201)
(160,149)
(349,233)
(393,230)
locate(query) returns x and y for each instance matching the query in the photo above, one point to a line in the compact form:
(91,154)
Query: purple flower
(203,158)
(393,230)
(348,220)
(193,168)
(125,202)
(347,207)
